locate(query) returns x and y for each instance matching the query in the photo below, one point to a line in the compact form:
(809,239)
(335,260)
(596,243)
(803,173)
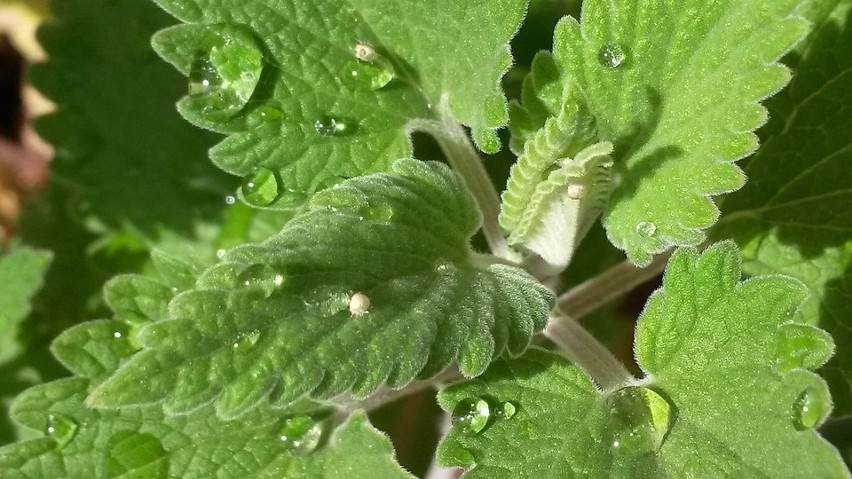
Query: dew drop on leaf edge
(471,415)
(300,434)
(61,428)
(136,454)
(640,419)
(225,71)
(808,410)
(261,188)
(611,55)
(329,126)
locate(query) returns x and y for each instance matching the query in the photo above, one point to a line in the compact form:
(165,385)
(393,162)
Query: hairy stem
(584,350)
(612,284)
(464,159)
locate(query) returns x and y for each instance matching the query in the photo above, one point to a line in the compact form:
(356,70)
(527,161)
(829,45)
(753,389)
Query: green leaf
(793,217)
(375,283)
(143,442)
(675,87)
(315,92)
(21,274)
(715,401)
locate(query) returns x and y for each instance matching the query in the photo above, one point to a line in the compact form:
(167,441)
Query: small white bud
(359,303)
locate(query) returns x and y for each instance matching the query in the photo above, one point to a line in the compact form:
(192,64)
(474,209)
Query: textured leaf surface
(675,86)
(310,77)
(709,346)
(795,214)
(282,318)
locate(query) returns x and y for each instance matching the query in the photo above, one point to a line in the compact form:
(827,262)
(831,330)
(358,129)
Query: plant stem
(584,350)
(465,160)
(613,283)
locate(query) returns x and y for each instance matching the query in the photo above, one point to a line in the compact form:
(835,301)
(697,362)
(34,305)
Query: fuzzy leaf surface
(310,74)
(708,345)
(675,87)
(21,275)
(795,214)
(276,318)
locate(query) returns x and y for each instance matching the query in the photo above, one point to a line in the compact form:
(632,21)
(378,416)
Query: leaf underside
(725,395)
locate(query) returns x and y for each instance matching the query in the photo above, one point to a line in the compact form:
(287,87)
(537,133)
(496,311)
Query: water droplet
(225,71)
(330,126)
(443,266)
(507,410)
(229,200)
(117,334)
(809,409)
(611,55)
(359,304)
(220,253)
(471,415)
(378,211)
(261,188)
(136,454)
(646,229)
(374,70)
(326,301)
(262,277)
(247,340)
(640,419)
(300,434)
(270,113)
(61,428)
(802,346)
(575,191)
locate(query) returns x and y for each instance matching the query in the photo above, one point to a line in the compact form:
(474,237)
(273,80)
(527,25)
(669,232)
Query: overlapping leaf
(281,317)
(143,442)
(727,393)
(308,109)
(675,86)
(794,215)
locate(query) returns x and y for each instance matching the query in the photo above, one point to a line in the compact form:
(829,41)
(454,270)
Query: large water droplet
(329,126)
(300,434)
(225,71)
(611,55)
(374,70)
(61,428)
(646,229)
(802,346)
(136,454)
(471,415)
(261,188)
(809,409)
(262,277)
(640,419)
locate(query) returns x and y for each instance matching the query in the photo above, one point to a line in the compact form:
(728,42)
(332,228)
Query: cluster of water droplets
(472,415)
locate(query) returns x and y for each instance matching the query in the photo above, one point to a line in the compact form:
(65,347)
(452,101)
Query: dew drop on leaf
(261,188)
(136,454)
(506,410)
(225,71)
(640,419)
(359,304)
(646,229)
(373,69)
(329,126)
(611,55)
(230,200)
(809,409)
(300,434)
(247,340)
(377,211)
(262,277)
(61,428)
(270,113)
(471,415)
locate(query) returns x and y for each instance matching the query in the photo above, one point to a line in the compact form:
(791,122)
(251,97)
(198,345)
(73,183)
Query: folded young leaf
(374,283)
(675,87)
(311,93)
(793,217)
(721,396)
